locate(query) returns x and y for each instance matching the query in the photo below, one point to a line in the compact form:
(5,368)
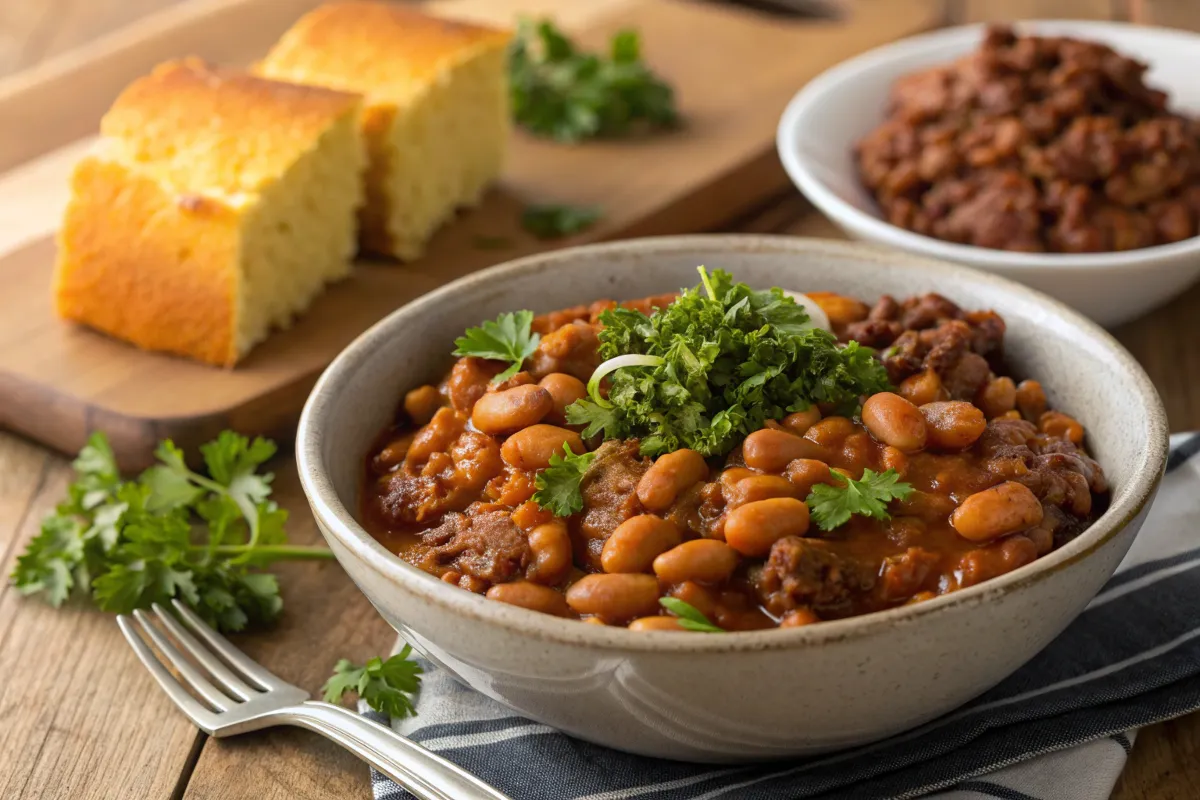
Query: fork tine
(215,666)
(234,657)
(191,676)
(198,714)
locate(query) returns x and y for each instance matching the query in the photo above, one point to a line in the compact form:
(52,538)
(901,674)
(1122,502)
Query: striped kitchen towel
(1060,728)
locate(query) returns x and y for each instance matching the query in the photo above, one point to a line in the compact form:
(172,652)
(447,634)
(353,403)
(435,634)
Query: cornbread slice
(216,206)
(436,114)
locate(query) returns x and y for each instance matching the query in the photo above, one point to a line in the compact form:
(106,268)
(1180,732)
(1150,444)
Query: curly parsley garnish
(169,533)
(386,686)
(832,506)
(714,365)
(507,338)
(559,92)
(690,617)
(558,485)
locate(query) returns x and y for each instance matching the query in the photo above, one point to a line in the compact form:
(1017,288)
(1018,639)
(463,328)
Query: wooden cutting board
(733,70)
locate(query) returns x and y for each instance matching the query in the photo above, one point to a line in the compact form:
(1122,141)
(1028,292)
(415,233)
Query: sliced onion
(620,362)
(817,318)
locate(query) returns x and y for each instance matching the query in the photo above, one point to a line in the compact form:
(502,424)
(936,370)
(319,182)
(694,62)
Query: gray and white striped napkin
(1060,728)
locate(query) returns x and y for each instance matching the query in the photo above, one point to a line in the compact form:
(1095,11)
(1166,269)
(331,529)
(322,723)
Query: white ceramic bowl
(823,121)
(751,695)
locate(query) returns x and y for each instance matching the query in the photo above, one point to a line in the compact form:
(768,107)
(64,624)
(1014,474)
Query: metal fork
(250,698)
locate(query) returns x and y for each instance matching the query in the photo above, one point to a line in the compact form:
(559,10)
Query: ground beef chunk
(484,544)
(904,575)
(609,496)
(809,573)
(1035,144)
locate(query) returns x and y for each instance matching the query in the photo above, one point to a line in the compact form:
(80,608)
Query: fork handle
(420,771)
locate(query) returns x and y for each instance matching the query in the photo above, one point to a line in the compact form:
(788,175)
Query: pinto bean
(997,397)
(1003,509)
(498,413)
(798,618)
(1058,424)
(659,623)
(636,542)
(752,529)
(550,544)
(564,389)
(953,424)
(701,560)
(770,450)
(421,403)
(805,473)
(759,487)
(668,476)
(1031,400)
(799,422)
(840,309)
(531,448)
(614,598)
(924,387)
(533,596)
(894,421)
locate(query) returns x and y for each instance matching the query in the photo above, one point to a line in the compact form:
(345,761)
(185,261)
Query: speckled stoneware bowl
(736,696)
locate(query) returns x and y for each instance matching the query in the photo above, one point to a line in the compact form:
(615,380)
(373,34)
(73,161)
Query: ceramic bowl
(823,121)
(751,695)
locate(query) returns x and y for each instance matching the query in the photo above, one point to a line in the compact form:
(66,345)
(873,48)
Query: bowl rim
(340,523)
(806,101)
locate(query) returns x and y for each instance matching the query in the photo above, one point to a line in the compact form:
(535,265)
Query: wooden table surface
(79,717)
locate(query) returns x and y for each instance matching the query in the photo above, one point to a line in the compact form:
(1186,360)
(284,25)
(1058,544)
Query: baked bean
(1056,423)
(703,560)
(614,598)
(770,450)
(894,421)
(858,452)
(436,437)
(953,424)
(393,452)
(892,458)
(1014,414)
(752,529)
(924,387)
(998,396)
(564,389)
(594,621)
(1031,400)
(830,432)
(669,475)
(550,544)
(758,487)
(498,413)
(421,403)
(450,576)
(732,476)
(656,624)
(529,515)
(531,448)
(798,618)
(696,596)
(636,542)
(840,309)
(799,422)
(472,584)
(1003,509)
(533,596)
(805,473)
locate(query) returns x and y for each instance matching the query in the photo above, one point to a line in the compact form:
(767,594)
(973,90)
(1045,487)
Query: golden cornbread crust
(154,247)
(384,51)
(148,267)
(205,129)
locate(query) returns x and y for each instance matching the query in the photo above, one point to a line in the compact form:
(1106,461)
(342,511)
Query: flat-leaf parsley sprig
(558,485)
(507,338)
(713,366)
(169,533)
(386,686)
(832,506)
(561,93)
(688,616)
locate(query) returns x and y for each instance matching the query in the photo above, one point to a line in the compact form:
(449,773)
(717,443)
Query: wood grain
(733,71)
(1009,10)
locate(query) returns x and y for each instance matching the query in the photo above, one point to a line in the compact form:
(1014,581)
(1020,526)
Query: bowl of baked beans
(1061,154)
(727,498)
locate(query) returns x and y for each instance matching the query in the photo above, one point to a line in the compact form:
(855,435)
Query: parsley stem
(273,552)
(248,509)
(708,287)
(620,362)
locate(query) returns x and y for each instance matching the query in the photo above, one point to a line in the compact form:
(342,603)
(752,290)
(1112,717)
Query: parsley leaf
(561,93)
(690,617)
(507,338)
(170,533)
(386,686)
(832,506)
(558,484)
(555,222)
(713,366)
